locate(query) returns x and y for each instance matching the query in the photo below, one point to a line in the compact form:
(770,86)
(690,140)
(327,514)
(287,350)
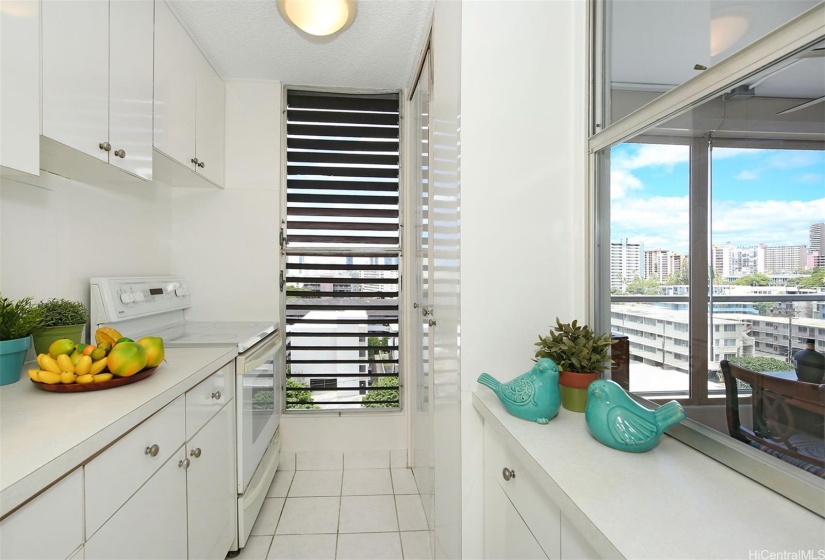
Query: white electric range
(144,306)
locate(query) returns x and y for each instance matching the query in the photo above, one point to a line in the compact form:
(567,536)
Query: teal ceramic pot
(12,356)
(45,336)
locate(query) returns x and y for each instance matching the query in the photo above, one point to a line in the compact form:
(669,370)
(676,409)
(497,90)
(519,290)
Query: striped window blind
(341,245)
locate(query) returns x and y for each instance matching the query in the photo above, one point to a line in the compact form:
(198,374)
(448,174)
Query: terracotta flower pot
(573,387)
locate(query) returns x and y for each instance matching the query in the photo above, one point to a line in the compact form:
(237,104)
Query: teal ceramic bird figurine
(533,395)
(619,422)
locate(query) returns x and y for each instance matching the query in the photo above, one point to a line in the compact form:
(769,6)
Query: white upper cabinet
(20,87)
(189,108)
(97,82)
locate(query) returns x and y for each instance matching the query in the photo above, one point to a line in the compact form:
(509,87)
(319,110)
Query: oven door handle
(262,354)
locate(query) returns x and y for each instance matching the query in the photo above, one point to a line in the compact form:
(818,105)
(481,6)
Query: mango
(61,346)
(126,359)
(98,353)
(154,350)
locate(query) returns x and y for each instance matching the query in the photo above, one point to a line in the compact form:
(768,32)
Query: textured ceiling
(248,39)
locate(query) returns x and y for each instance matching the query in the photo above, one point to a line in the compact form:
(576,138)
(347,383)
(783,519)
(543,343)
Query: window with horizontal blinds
(341,248)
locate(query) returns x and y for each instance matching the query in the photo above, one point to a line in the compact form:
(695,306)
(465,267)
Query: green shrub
(301,399)
(63,312)
(18,319)
(382,394)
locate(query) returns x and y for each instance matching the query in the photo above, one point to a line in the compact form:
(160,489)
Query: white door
(176,75)
(210,130)
(506,535)
(76,74)
(211,498)
(130,85)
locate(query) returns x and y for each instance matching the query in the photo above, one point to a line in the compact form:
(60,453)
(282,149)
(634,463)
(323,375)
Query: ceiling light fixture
(318,17)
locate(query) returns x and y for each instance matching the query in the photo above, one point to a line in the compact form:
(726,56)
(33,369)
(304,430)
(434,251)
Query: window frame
(791,37)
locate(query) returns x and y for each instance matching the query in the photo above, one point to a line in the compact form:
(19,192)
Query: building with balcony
(626,262)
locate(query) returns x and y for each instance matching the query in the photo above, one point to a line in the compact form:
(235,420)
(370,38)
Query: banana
(49,377)
(84,379)
(50,364)
(107,335)
(84,365)
(34,374)
(98,366)
(67,377)
(102,377)
(65,363)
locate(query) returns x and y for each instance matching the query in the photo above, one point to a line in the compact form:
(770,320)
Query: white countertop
(670,502)
(45,435)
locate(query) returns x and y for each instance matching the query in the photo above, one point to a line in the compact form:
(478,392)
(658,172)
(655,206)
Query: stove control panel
(118,299)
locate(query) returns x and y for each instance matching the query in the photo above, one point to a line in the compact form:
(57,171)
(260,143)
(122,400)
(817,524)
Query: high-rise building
(661,263)
(626,262)
(816,246)
(782,259)
(735,261)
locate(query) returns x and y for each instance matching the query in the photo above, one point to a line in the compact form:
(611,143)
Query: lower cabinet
(520,519)
(186,508)
(49,526)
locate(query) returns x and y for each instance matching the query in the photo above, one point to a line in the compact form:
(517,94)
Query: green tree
(375,343)
(815,280)
(646,287)
(679,278)
(294,288)
(757,279)
(300,399)
(382,394)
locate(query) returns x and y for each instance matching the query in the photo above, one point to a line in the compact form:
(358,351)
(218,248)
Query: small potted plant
(17,321)
(63,319)
(582,356)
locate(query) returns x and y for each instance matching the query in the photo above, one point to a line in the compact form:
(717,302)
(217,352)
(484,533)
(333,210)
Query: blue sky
(758,196)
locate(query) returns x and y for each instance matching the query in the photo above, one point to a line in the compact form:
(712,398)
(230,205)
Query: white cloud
(773,222)
(621,182)
(747,175)
(658,221)
(647,155)
(815,178)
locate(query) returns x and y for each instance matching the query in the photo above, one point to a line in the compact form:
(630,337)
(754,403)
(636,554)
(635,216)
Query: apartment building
(661,263)
(626,262)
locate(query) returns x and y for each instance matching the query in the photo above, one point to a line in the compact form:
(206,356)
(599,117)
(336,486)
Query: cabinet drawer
(204,400)
(49,526)
(541,515)
(116,474)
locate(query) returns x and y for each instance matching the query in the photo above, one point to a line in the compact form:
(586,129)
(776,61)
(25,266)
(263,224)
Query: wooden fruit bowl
(79,388)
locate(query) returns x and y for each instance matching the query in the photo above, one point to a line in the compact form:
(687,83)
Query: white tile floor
(341,507)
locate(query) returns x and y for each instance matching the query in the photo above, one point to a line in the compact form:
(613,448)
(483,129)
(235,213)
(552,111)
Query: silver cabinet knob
(120,153)
(508,474)
(105,146)
(216,395)
(196,453)
(201,164)
(153,450)
(184,464)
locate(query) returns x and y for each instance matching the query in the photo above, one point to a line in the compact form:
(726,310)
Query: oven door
(258,403)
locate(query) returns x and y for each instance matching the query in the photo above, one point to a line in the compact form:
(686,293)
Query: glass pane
(649,224)
(655,46)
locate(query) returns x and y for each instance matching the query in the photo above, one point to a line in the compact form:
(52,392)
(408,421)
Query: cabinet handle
(216,395)
(153,450)
(201,164)
(120,153)
(184,464)
(105,146)
(432,322)
(195,160)
(196,453)
(508,474)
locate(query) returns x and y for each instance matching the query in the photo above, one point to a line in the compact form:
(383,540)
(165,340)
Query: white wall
(523,199)
(57,236)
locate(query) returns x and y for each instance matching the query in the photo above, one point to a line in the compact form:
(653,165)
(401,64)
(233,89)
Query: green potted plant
(18,319)
(63,318)
(581,354)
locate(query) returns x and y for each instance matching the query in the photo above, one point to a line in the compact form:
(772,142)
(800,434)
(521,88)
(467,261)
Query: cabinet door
(574,545)
(506,535)
(50,526)
(131,24)
(76,74)
(152,524)
(20,86)
(176,75)
(212,501)
(211,132)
